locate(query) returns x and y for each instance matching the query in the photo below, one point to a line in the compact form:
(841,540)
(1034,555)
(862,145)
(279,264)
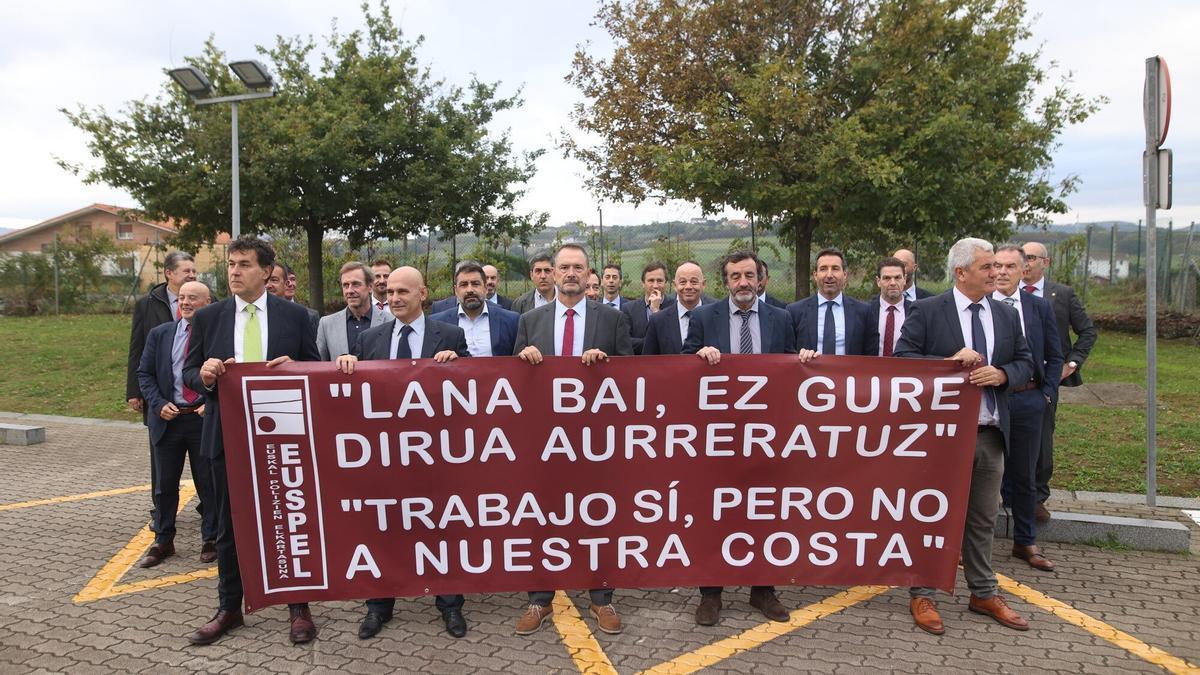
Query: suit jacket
(452,302)
(932,330)
(922,293)
(290,332)
(635,312)
(331,331)
(525,302)
(150,311)
(1041,335)
(1071,317)
(862,334)
(774,301)
(662,333)
(375,343)
(873,306)
(156,377)
(709,327)
(604,328)
(502,325)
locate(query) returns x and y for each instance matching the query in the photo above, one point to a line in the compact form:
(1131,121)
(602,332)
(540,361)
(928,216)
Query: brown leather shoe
(303,629)
(156,554)
(925,615)
(533,618)
(222,623)
(208,552)
(996,608)
(1033,555)
(768,603)
(1040,513)
(606,618)
(708,613)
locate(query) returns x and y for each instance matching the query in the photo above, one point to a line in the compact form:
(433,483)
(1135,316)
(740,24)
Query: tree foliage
(876,122)
(359,140)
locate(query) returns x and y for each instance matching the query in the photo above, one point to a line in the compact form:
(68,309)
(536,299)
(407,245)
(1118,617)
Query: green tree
(865,121)
(359,141)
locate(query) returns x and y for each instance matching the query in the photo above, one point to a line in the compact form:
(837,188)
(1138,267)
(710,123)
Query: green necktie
(252,337)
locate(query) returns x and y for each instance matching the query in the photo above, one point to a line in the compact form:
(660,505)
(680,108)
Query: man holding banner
(985,336)
(571,325)
(761,329)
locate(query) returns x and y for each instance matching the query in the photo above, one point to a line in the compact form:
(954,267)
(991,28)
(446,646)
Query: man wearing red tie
(889,308)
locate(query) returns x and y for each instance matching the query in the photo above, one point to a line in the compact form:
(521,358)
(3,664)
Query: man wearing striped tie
(741,325)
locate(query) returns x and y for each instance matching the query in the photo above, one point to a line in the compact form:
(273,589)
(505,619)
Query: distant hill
(6,230)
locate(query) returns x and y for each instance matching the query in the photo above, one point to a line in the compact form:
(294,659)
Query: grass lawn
(75,365)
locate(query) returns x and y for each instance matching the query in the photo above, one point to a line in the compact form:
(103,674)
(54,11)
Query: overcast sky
(58,54)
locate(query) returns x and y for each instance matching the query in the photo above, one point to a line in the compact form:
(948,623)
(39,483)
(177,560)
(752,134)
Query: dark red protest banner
(492,475)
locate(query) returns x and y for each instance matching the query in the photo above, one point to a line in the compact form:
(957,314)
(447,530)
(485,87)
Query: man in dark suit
(541,272)
(490,329)
(253,325)
(669,328)
(912,292)
(491,278)
(762,288)
(654,283)
(411,336)
(743,324)
(966,325)
(282,284)
(611,279)
(380,270)
(159,306)
(830,322)
(1027,403)
(577,327)
(175,413)
(1071,316)
(889,307)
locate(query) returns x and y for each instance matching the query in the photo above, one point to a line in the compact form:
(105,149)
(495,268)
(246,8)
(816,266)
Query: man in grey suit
(409,336)
(966,325)
(572,326)
(1070,316)
(337,333)
(541,272)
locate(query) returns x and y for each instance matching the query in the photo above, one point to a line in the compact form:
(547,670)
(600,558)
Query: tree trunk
(316,268)
(802,231)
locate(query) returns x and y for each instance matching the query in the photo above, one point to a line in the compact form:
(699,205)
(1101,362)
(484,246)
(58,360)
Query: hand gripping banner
(492,475)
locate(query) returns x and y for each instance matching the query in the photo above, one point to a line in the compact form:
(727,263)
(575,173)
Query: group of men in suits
(1002,320)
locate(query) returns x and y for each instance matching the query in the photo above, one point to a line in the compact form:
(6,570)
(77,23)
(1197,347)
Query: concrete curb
(1141,534)
(63,419)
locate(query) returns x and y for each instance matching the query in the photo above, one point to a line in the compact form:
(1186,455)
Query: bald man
(175,416)
(669,328)
(912,292)
(410,336)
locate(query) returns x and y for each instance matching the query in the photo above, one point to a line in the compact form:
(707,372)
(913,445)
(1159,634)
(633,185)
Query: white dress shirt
(911,293)
(1016,304)
(560,325)
(963,304)
(615,303)
(538,300)
(415,338)
(239,325)
(173,301)
(839,322)
(1039,287)
(478,330)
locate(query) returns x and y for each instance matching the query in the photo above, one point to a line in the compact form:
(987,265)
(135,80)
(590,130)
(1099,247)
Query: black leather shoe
(372,624)
(456,623)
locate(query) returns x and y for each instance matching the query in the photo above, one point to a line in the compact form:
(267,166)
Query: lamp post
(256,77)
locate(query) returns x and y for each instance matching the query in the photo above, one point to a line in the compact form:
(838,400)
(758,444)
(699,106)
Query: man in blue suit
(890,306)
(743,324)
(966,325)
(490,329)
(1028,402)
(654,283)
(253,325)
(175,414)
(669,328)
(411,336)
(829,322)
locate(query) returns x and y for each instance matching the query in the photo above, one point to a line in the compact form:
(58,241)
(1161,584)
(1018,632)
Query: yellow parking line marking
(716,652)
(148,584)
(101,585)
(1062,610)
(587,654)
(74,498)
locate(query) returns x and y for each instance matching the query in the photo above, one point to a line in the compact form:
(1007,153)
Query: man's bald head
(192,296)
(910,265)
(406,293)
(1036,262)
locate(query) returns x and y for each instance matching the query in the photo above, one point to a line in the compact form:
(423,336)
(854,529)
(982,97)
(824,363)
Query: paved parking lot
(72,520)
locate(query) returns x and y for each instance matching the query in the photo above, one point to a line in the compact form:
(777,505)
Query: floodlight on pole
(192,81)
(252,74)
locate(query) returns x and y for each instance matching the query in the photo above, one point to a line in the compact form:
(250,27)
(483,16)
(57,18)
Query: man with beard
(490,329)
(491,279)
(380,269)
(912,292)
(571,326)
(889,307)
(830,322)
(669,328)
(541,272)
(337,333)
(743,324)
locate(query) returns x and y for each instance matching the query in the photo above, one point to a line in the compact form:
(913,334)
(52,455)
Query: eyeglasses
(1031,257)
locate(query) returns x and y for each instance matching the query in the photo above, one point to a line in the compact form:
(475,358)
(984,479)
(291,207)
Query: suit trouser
(229,577)
(1026,410)
(983,506)
(1045,460)
(443,603)
(182,439)
(599,596)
